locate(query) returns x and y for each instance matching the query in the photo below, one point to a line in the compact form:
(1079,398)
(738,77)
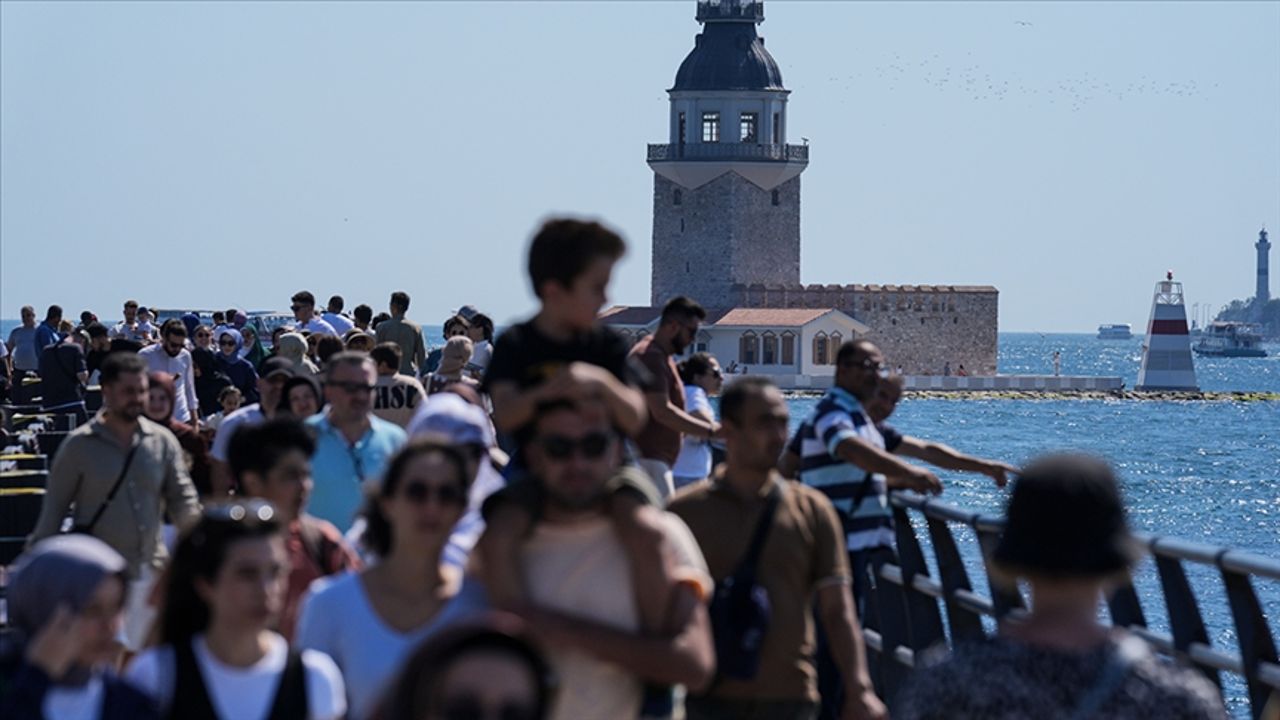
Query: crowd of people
(346,524)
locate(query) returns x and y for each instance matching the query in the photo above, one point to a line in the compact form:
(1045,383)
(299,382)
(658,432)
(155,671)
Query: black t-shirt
(525,356)
(59,365)
(117,345)
(892,438)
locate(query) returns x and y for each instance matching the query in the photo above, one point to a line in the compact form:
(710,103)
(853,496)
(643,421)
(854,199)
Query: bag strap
(128,460)
(1115,670)
(747,568)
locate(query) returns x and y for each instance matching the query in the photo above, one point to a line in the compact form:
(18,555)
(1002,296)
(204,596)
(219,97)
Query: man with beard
(170,355)
(582,600)
(659,443)
(123,474)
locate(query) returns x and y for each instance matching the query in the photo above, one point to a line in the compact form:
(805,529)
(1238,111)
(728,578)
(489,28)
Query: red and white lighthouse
(1166,354)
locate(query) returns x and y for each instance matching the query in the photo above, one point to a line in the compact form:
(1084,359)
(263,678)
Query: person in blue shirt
(47,333)
(352,444)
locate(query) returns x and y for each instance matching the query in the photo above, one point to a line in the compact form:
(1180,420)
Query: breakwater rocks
(1160,396)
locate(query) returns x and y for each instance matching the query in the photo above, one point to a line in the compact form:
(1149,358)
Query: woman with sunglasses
(217,658)
(370,621)
(702,378)
(239,370)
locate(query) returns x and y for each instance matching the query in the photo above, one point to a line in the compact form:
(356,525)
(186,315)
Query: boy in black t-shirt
(562,353)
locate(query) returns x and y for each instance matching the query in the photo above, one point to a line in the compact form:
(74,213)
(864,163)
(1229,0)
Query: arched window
(748,348)
(788,348)
(836,339)
(769,349)
(819,356)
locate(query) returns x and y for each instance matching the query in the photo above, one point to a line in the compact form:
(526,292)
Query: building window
(788,349)
(677,197)
(747,128)
(702,343)
(769,349)
(681,224)
(777,128)
(680,129)
(820,349)
(748,348)
(835,348)
(710,127)
(777,199)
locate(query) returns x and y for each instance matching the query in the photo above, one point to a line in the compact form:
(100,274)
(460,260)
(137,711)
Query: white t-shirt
(74,703)
(337,619)
(247,415)
(243,693)
(695,453)
(340,323)
(318,325)
(481,354)
(581,569)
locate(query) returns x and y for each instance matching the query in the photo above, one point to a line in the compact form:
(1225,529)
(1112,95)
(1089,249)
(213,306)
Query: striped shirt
(861,498)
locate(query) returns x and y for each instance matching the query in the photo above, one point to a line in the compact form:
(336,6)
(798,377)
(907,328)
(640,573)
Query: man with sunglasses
(352,444)
(660,441)
(303,305)
(582,600)
(170,355)
(843,455)
(272,461)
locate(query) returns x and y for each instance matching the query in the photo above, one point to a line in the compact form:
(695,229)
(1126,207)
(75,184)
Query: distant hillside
(1244,311)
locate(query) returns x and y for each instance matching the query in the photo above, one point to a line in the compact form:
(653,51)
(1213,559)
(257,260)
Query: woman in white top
(702,378)
(370,621)
(217,659)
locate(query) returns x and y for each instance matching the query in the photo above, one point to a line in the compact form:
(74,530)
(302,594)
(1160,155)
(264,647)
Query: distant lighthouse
(1263,294)
(1166,355)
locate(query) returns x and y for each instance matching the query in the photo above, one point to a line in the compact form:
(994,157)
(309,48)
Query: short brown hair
(563,248)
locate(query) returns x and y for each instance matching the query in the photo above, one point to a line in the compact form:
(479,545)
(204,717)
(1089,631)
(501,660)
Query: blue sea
(1207,471)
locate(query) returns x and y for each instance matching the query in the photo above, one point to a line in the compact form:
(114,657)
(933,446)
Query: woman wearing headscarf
(209,380)
(161,395)
(251,348)
(293,347)
(239,370)
(65,605)
(301,397)
(191,321)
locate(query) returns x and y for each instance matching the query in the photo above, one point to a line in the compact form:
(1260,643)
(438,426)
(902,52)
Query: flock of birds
(972,81)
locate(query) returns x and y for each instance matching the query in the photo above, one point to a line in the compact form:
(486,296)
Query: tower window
(681,224)
(677,197)
(680,130)
(747,127)
(777,128)
(710,127)
(777,199)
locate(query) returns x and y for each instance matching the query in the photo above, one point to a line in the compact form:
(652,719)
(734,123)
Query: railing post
(1185,622)
(1253,634)
(924,628)
(965,624)
(1003,599)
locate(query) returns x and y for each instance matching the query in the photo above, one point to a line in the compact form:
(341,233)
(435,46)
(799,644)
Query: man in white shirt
(271,379)
(128,328)
(333,315)
(304,311)
(170,355)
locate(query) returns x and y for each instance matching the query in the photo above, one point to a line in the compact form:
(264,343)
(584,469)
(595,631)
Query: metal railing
(729,151)
(904,616)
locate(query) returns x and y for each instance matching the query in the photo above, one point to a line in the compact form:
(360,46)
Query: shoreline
(1053,395)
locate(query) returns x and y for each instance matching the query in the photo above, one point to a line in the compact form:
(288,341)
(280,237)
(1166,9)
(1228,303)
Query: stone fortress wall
(918,327)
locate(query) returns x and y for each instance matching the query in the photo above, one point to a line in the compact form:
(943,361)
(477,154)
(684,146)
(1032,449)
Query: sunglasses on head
(420,493)
(591,446)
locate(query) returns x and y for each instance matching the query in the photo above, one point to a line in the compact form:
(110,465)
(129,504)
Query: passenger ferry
(1117,331)
(1230,339)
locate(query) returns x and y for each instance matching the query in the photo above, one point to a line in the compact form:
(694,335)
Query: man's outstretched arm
(945,456)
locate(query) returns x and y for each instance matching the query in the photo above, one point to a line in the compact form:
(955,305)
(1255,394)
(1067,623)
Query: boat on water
(1116,331)
(1230,339)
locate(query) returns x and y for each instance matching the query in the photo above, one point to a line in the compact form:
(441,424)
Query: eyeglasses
(470,707)
(204,335)
(353,387)
(716,373)
(227,343)
(867,364)
(591,446)
(421,493)
(296,308)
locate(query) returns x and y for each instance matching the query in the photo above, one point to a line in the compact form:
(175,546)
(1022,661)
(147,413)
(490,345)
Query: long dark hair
(378,534)
(200,555)
(695,365)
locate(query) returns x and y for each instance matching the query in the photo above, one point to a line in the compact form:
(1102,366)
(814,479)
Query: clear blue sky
(211,154)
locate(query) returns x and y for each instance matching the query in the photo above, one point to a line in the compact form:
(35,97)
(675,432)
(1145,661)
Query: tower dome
(728,56)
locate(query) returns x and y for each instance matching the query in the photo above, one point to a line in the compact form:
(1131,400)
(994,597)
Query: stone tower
(726,187)
(1263,293)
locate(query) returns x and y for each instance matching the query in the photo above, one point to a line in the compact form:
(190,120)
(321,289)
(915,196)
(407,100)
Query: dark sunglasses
(419,493)
(353,387)
(866,364)
(231,343)
(591,446)
(204,335)
(468,707)
(716,373)
(296,308)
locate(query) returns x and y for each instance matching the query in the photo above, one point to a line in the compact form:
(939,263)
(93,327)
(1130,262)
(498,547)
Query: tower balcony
(729,152)
(749,10)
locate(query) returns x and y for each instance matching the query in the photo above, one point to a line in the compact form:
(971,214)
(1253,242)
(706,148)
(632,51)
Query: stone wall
(725,232)
(920,327)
